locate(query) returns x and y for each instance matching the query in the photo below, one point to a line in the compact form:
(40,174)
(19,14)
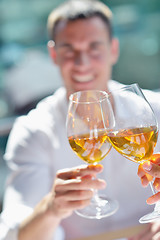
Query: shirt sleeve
(10,219)
(28,156)
(14,214)
(30,179)
(7,233)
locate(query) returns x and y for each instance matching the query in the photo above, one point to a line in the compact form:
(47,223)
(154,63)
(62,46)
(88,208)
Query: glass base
(99,207)
(150,217)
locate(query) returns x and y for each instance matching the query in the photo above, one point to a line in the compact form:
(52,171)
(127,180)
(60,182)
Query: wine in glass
(135,132)
(90,116)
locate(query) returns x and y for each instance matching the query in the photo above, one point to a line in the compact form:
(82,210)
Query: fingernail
(147,166)
(96,167)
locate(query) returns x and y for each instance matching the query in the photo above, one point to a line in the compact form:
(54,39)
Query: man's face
(85,54)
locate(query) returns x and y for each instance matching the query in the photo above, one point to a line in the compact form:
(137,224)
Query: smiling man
(45,187)
(82,46)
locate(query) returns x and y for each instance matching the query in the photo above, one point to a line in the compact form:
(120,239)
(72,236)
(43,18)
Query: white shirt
(38,147)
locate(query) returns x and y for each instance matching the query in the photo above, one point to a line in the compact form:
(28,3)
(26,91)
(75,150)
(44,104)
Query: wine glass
(90,116)
(135,132)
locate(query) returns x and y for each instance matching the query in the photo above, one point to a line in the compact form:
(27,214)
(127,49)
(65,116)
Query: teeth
(85,78)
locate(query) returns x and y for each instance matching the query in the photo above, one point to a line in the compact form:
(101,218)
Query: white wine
(91,149)
(136,144)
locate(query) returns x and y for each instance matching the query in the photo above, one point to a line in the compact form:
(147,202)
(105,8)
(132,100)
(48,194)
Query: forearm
(41,225)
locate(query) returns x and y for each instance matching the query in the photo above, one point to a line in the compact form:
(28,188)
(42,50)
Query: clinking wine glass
(135,132)
(90,116)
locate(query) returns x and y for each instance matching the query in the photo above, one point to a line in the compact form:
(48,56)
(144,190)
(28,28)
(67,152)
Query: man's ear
(115,50)
(51,50)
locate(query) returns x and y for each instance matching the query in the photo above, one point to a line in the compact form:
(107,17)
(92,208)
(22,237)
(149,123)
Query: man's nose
(82,59)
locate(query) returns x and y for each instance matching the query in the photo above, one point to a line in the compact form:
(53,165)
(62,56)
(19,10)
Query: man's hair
(72,10)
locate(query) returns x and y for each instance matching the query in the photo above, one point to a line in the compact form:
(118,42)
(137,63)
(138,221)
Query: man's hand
(149,170)
(73,189)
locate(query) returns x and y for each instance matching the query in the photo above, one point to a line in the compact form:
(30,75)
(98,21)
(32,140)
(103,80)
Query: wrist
(46,210)
(41,224)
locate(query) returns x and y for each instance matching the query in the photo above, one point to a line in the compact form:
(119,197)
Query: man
(40,196)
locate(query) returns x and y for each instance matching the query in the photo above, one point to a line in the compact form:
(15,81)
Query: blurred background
(27,74)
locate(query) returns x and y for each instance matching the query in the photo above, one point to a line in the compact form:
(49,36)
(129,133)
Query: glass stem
(152,188)
(95,197)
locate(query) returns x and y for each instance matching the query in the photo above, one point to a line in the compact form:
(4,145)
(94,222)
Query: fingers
(75,195)
(63,205)
(74,199)
(80,171)
(145,180)
(73,188)
(79,204)
(152,168)
(79,184)
(153,199)
(68,206)
(155,158)
(149,170)
(146,172)
(72,194)
(145,177)
(156,184)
